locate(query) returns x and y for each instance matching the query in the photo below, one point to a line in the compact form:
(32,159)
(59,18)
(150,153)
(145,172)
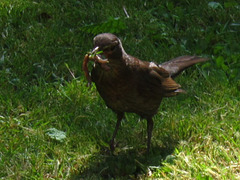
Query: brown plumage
(128,84)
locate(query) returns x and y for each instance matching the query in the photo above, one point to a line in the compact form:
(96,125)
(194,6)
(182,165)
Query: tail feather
(177,65)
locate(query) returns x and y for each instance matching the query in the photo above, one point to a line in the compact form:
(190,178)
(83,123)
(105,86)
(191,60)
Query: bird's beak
(95,50)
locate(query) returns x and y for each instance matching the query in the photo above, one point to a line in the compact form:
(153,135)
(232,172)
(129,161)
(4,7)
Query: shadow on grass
(124,163)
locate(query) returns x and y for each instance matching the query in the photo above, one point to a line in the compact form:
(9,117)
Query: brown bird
(128,84)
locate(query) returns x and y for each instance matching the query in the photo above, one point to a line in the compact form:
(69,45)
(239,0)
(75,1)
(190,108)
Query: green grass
(196,136)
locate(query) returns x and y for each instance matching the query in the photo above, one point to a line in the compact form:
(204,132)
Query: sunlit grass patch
(42,45)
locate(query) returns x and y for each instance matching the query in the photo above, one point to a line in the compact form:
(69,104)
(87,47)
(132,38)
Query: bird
(130,85)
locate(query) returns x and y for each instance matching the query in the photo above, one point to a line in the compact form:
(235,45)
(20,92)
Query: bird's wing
(157,79)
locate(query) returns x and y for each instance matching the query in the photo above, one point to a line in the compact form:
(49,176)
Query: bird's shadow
(125,163)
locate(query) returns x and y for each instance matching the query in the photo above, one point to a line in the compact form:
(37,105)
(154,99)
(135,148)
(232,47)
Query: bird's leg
(149,132)
(119,119)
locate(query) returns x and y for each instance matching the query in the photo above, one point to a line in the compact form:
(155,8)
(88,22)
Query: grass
(196,136)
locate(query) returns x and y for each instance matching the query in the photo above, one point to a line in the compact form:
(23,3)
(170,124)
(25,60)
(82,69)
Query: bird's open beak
(95,50)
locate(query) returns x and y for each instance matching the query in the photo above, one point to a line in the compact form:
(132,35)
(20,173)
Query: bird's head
(109,44)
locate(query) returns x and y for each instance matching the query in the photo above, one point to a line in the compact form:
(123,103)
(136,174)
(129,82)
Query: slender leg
(149,132)
(119,119)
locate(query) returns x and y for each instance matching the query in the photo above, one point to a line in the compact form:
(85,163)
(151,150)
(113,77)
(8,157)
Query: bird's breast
(123,90)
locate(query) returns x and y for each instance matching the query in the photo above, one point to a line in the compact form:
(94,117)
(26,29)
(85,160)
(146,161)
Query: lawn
(54,127)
